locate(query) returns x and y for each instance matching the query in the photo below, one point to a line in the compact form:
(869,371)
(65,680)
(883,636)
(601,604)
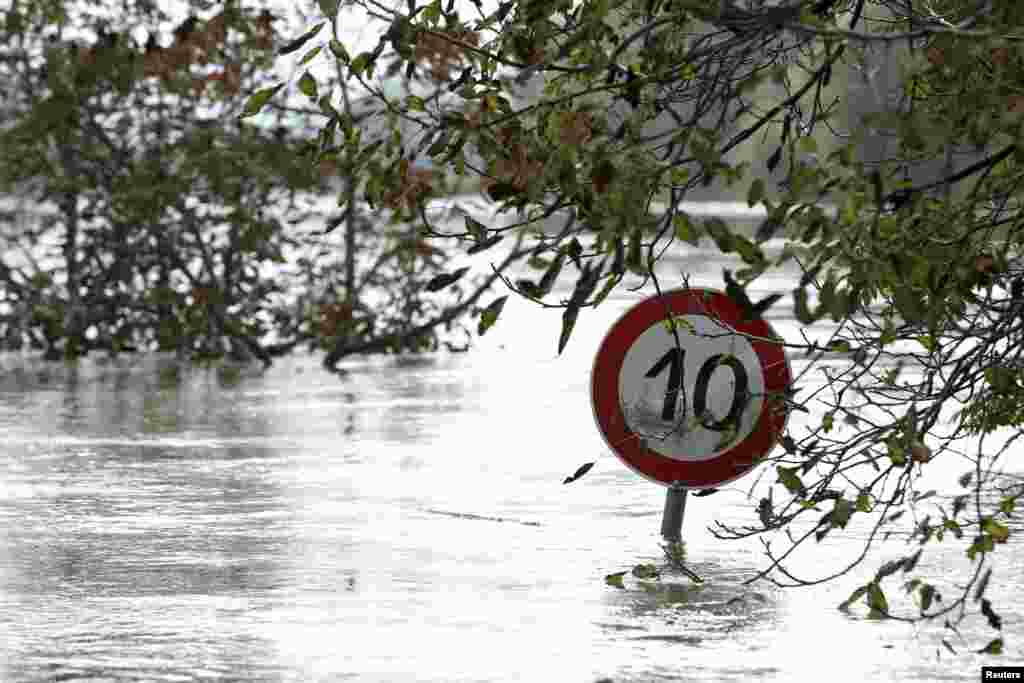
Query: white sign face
(692,402)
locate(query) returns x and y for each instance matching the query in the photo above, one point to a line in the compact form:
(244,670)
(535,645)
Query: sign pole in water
(689,393)
(672,517)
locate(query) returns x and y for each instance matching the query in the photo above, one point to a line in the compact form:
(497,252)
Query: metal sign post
(672,517)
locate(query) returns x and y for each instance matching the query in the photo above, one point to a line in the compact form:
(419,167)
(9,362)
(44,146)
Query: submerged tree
(176,226)
(918,279)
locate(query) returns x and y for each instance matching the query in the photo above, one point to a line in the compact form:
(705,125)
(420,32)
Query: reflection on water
(405,521)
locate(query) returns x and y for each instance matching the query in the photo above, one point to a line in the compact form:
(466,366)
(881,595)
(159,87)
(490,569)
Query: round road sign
(702,411)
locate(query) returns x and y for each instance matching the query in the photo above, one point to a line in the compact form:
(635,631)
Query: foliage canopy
(648,101)
(145,214)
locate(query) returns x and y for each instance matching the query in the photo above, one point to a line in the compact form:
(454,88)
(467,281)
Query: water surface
(405,521)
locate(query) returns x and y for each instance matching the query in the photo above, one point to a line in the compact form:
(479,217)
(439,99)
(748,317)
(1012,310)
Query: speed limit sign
(696,406)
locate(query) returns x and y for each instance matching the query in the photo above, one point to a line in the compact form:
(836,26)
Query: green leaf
(841,511)
(994,620)
(439,282)
(909,304)
(414,103)
(339,51)
(994,647)
(646,571)
(928,595)
(366,153)
(897,453)
(547,281)
(475,228)
(999,532)
(489,315)
(1007,505)
(953,527)
(439,145)
(307,84)
(685,229)
(619,258)
(529,288)
(609,285)
(329,7)
(328,109)
(301,40)
(580,471)
(538,263)
(756,192)
(360,63)
(720,233)
(748,251)
(485,244)
(309,56)
(910,562)
(259,99)
(959,503)
(575,250)
(765,512)
(876,600)
(568,322)
(854,597)
(615,579)
(800,308)
(432,12)
(634,256)
(981,544)
(789,479)
(841,305)
(888,569)
(808,145)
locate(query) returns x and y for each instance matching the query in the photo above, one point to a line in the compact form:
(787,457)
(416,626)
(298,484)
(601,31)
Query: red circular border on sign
(628,446)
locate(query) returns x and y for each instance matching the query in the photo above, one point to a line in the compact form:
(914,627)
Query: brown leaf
(575,128)
(328,167)
(1000,56)
(505,135)
(413,183)
(179,55)
(518,170)
(154,63)
(215,33)
(442,50)
(86,56)
(920,453)
(602,176)
(233,78)
(201,295)
(264,38)
(333,317)
(473,118)
(426,250)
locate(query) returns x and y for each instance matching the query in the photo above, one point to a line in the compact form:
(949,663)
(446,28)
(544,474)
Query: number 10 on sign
(696,413)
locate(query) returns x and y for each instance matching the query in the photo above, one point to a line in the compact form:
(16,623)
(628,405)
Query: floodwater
(407,521)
